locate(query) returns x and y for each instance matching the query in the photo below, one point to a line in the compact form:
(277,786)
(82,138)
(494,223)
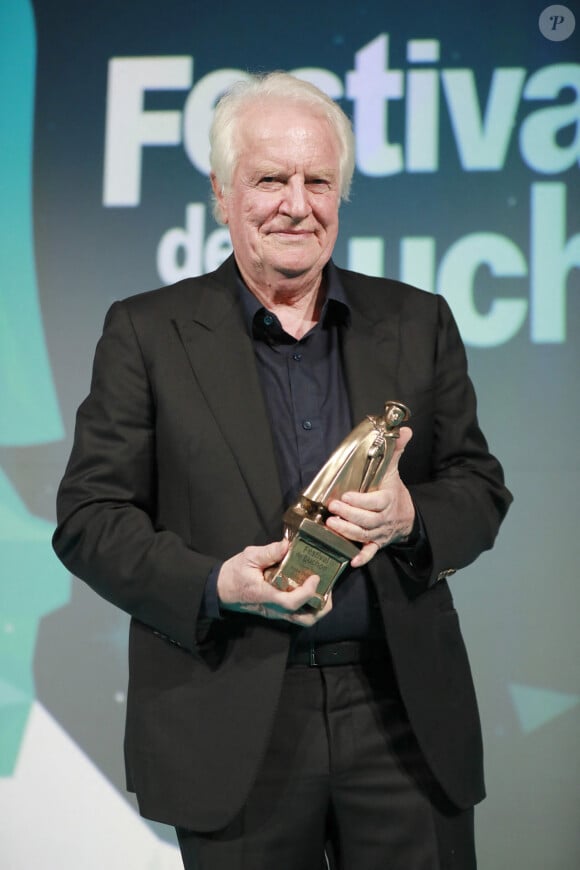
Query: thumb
(271,553)
(405,435)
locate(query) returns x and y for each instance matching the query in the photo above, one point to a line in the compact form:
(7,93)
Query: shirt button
(268,320)
(307,425)
(297,356)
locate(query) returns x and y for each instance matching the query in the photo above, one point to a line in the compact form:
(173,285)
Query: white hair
(279,86)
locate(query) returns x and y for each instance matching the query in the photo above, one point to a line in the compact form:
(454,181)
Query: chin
(298,265)
(294,270)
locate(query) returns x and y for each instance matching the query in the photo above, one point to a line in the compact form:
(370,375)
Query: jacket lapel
(370,348)
(222,358)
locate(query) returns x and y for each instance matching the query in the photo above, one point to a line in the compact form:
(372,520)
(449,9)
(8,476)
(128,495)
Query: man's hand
(241,586)
(378,518)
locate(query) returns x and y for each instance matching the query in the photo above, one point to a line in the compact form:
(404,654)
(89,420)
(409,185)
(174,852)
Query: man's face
(282,206)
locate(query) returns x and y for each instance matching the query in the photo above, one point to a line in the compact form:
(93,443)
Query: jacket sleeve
(460,494)
(106,504)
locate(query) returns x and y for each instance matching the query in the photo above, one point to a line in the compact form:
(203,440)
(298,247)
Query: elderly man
(262,730)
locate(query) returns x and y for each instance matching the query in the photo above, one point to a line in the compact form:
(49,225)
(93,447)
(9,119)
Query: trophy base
(314,549)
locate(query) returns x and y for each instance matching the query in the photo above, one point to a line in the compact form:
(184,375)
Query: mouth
(292,235)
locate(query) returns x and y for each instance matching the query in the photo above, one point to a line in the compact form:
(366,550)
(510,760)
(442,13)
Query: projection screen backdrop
(467,126)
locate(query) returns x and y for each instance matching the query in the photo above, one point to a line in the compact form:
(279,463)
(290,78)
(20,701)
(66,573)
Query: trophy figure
(359,463)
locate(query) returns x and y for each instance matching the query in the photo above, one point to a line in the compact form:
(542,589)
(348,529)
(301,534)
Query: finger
(289,601)
(362,508)
(367,553)
(311,617)
(361,531)
(292,606)
(327,607)
(375,500)
(297,598)
(405,435)
(270,554)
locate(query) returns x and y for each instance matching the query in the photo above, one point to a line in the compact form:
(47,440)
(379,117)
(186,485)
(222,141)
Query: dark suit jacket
(173,468)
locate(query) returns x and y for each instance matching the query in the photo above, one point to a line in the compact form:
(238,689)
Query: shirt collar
(336,305)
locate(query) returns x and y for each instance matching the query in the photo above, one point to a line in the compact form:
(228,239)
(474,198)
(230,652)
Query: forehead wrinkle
(258,129)
(280,161)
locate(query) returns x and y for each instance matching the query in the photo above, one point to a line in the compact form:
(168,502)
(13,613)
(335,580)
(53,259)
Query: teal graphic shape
(33,583)
(29,411)
(536,707)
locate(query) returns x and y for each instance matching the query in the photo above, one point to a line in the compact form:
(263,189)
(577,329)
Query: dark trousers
(342,780)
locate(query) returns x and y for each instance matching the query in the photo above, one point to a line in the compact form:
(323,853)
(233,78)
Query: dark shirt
(305,394)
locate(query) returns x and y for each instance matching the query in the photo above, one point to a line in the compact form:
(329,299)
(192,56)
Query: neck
(296,302)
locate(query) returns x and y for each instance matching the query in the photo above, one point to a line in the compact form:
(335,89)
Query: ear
(220,197)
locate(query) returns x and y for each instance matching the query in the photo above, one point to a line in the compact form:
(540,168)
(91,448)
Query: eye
(319,185)
(269,182)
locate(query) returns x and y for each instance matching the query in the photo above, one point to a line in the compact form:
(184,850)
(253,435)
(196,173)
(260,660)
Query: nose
(295,203)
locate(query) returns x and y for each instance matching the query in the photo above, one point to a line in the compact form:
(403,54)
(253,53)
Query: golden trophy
(358,464)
